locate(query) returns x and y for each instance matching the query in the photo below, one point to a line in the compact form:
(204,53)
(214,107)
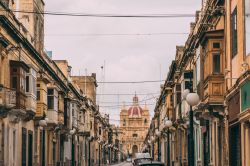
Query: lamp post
(90,138)
(99,152)
(153,146)
(167,124)
(158,134)
(192,99)
(42,124)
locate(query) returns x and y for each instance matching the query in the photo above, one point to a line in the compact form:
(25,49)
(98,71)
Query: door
(134,150)
(30,148)
(24,142)
(234,146)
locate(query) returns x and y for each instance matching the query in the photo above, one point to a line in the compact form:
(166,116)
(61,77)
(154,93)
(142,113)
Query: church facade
(134,124)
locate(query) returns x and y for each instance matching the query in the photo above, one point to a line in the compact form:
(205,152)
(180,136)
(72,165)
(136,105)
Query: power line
(129,82)
(116,34)
(53,13)
(126,94)
(118,106)
(154,97)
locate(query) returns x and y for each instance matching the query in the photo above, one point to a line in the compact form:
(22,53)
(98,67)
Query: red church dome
(135,110)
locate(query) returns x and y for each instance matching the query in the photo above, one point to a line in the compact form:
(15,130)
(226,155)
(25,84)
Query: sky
(89,47)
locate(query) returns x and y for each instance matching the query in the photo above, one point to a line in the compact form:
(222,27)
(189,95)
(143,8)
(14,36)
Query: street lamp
(42,124)
(153,146)
(99,148)
(158,134)
(167,124)
(90,138)
(192,99)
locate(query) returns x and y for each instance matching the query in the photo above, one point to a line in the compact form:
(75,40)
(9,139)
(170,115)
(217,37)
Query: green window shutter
(245,96)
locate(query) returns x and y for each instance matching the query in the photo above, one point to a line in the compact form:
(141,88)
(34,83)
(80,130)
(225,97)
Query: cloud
(128,58)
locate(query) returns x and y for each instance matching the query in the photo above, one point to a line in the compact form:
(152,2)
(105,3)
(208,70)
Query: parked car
(141,157)
(151,163)
(129,160)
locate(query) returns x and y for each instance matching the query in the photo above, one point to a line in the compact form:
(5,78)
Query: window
(135,135)
(245,96)
(5,3)
(188,84)
(124,122)
(30,82)
(27,84)
(178,93)
(145,121)
(24,143)
(14,145)
(216,45)
(100,131)
(38,95)
(52,99)
(216,63)
(14,82)
(234,32)
(247,27)
(198,65)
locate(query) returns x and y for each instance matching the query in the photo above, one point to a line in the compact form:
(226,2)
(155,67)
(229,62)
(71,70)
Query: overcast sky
(126,57)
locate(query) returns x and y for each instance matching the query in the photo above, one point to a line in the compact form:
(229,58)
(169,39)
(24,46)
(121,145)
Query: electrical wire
(128,82)
(53,13)
(147,99)
(116,34)
(126,94)
(118,106)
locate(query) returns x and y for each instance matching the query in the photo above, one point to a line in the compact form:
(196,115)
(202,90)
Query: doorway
(134,150)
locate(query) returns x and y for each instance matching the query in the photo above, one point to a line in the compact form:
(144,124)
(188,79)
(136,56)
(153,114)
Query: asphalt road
(124,164)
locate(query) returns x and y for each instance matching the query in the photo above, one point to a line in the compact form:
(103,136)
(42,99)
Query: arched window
(145,121)
(135,135)
(124,122)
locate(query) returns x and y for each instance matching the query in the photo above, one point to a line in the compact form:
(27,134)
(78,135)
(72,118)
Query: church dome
(135,110)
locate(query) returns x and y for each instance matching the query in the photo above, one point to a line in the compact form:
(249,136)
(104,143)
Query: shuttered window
(234,32)
(24,144)
(216,64)
(247,27)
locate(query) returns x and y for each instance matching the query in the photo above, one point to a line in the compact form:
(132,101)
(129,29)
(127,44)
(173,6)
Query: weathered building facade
(45,118)
(213,63)
(134,123)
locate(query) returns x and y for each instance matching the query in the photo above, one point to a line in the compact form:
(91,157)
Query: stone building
(134,123)
(45,118)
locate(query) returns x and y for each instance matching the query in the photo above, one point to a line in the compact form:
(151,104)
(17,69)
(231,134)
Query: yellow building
(134,124)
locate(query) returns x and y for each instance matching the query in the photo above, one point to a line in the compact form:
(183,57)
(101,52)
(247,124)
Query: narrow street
(124,164)
(99,82)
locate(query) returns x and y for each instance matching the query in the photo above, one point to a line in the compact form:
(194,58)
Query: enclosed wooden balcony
(21,99)
(212,68)
(7,98)
(214,89)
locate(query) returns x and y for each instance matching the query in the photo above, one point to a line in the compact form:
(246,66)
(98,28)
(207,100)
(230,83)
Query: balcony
(31,104)
(7,98)
(53,117)
(74,122)
(214,89)
(41,110)
(20,100)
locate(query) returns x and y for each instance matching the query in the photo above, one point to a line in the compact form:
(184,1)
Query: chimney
(93,75)
(192,26)
(197,15)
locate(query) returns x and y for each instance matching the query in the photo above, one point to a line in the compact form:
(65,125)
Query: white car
(129,160)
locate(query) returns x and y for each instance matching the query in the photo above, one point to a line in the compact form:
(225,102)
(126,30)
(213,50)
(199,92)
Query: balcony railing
(7,98)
